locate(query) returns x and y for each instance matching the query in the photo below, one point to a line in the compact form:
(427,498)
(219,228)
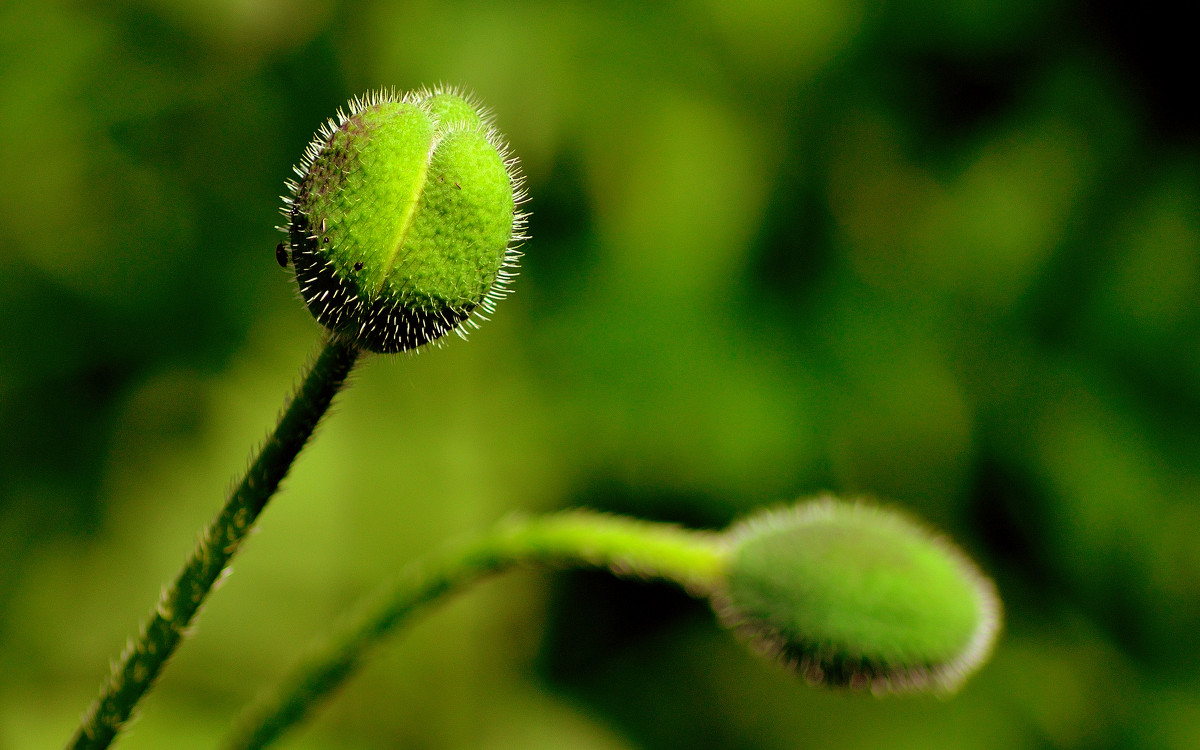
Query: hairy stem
(573,539)
(144,657)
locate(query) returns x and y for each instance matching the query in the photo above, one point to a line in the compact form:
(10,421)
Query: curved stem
(573,539)
(144,658)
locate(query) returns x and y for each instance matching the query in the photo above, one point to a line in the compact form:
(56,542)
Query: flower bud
(403,225)
(855,595)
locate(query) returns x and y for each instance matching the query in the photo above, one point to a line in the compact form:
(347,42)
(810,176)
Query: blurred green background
(944,253)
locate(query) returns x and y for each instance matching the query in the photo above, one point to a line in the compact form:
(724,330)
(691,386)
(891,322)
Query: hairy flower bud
(404,222)
(850,594)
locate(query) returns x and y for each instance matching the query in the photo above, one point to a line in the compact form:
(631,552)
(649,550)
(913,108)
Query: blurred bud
(849,594)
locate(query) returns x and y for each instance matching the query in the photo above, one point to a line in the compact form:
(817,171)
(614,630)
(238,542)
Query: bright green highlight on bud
(404,221)
(852,594)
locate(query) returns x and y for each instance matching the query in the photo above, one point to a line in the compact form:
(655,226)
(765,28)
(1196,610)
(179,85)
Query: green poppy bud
(849,594)
(404,223)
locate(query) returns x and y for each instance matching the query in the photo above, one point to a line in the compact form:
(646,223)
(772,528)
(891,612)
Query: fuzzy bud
(855,595)
(404,222)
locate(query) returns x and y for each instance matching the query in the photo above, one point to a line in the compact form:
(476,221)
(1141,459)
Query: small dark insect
(457,185)
(326,240)
(281,255)
(358,266)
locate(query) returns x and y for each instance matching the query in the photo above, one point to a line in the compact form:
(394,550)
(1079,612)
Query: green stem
(144,658)
(574,539)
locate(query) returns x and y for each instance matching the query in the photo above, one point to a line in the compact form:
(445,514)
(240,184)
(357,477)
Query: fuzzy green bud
(404,222)
(850,594)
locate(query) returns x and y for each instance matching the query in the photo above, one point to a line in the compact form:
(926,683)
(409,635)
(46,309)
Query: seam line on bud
(410,213)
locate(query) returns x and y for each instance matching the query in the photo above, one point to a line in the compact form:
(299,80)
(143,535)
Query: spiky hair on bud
(404,223)
(850,594)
